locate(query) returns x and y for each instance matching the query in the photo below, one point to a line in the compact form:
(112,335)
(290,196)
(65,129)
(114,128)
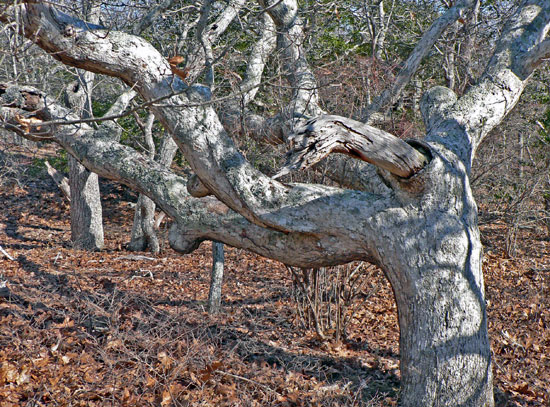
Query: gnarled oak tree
(417,220)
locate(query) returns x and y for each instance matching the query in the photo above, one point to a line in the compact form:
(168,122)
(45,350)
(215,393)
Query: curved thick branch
(305,98)
(342,237)
(224,19)
(208,219)
(335,134)
(234,114)
(194,125)
(97,149)
(465,124)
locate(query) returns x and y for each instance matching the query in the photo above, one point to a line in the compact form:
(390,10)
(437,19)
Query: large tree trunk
(434,266)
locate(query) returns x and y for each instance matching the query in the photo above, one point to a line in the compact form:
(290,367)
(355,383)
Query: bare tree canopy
(416,218)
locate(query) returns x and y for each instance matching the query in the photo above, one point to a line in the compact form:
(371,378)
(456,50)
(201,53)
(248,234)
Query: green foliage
(99,108)
(59,162)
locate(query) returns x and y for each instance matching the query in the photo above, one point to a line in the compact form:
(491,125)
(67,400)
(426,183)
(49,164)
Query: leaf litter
(121,328)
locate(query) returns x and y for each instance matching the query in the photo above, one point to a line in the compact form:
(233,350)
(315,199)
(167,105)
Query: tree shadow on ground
(105,310)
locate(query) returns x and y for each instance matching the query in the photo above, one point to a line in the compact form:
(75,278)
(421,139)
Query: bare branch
(256,62)
(534,57)
(335,134)
(422,48)
(498,90)
(60,180)
(197,130)
(205,43)
(305,99)
(148,19)
(225,18)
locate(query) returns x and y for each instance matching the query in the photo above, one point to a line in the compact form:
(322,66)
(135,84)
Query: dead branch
(328,134)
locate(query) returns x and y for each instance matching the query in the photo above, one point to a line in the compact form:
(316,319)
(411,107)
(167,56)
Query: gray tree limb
(486,104)
(290,36)
(327,134)
(148,19)
(60,180)
(422,48)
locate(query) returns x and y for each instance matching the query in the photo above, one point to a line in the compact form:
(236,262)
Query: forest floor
(111,328)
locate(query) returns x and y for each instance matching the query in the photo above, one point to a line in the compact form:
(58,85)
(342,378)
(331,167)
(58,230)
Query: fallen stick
(5,253)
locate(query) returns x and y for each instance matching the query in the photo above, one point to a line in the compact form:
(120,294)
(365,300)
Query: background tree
(416,218)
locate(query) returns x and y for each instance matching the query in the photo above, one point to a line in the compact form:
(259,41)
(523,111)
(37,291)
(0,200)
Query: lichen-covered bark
(421,230)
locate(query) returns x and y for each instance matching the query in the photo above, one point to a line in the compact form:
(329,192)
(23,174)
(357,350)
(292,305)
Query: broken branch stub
(328,134)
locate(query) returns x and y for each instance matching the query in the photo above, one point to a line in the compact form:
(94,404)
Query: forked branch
(328,134)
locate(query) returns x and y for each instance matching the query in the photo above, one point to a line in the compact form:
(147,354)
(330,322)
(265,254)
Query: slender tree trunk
(521,154)
(215,294)
(86,212)
(143,230)
(547,209)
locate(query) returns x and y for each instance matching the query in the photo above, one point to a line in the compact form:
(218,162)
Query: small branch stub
(328,134)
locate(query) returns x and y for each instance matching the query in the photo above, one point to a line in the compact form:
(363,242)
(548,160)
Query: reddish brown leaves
(100,328)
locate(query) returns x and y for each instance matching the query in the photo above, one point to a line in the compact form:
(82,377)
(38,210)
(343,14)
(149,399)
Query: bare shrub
(326,298)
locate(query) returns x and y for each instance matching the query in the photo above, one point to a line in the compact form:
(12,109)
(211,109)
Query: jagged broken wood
(335,134)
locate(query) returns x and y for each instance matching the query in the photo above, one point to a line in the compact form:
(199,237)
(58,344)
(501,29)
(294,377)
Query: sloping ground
(110,328)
